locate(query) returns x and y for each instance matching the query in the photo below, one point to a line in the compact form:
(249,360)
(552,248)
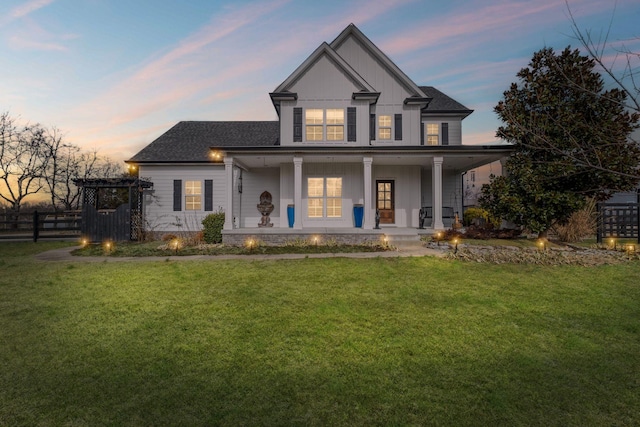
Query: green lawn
(383,341)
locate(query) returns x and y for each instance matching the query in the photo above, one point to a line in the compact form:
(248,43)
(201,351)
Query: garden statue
(265,207)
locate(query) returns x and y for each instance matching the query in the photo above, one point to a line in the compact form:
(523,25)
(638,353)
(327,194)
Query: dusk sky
(113,75)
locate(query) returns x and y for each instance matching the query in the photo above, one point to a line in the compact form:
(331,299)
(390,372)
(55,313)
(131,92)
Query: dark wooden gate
(112,209)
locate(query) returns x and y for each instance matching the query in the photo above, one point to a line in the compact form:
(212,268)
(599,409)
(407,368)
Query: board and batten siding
(159,213)
(254,183)
(407,192)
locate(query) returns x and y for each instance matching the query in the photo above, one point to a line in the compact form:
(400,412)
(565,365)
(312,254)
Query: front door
(385,201)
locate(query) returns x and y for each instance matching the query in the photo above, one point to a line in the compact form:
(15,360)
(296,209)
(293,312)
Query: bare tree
(73,164)
(23,160)
(616,60)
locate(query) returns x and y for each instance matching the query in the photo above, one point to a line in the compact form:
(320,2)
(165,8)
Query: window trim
(382,127)
(192,200)
(325,198)
(427,134)
(333,128)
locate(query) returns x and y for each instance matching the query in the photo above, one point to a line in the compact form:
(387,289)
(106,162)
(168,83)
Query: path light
(630,250)
(613,243)
(385,240)
(250,244)
(455,242)
(84,242)
(108,246)
(315,240)
(438,237)
(542,244)
(175,244)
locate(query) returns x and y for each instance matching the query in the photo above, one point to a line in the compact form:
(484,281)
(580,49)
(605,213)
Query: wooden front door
(385,201)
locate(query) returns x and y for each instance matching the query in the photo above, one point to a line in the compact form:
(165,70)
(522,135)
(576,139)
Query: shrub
(213,224)
(580,224)
(169,237)
(475,213)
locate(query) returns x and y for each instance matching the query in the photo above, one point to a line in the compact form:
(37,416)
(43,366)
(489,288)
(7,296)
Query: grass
(385,341)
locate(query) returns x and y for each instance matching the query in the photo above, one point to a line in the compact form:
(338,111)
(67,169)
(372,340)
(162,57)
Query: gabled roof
(354,32)
(191,141)
(325,49)
(441,103)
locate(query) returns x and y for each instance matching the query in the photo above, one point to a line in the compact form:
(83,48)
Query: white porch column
(297,192)
(369,216)
(228,209)
(437,193)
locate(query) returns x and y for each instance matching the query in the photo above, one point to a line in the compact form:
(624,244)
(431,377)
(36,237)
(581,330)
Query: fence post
(598,223)
(36,225)
(638,214)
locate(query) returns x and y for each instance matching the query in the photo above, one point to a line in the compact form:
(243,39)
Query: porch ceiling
(458,160)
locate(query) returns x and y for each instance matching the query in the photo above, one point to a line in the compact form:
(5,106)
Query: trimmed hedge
(213,224)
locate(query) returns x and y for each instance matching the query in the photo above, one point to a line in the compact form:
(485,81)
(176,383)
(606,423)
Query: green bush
(473,213)
(213,224)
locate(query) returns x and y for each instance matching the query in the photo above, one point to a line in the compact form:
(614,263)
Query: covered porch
(414,178)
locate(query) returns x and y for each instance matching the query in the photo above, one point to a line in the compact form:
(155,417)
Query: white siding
(455,128)
(255,182)
(159,213)
(407,192)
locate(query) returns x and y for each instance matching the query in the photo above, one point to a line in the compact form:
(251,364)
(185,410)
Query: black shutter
(422,125)
(297,124)
(398,127)
(177,194)
(351,123)
(445,134)
(208,194)
(372,127)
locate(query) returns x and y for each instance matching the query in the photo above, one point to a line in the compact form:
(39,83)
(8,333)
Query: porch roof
(459,158)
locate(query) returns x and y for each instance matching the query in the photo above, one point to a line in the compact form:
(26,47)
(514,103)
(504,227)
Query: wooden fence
(40,225)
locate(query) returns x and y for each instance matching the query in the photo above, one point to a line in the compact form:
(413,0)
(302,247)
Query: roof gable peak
(353,31)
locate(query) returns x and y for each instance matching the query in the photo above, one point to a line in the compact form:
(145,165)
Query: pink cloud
(24,10)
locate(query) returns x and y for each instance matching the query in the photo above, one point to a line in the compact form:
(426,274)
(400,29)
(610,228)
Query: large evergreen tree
(571,140)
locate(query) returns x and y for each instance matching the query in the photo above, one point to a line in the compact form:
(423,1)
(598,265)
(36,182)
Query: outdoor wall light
(216,155)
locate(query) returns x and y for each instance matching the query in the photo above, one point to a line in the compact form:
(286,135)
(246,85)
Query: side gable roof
(191,141)
(325,49)
(441,103)
(354,32)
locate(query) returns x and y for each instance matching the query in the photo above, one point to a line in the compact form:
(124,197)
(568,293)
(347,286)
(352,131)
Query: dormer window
(316,120)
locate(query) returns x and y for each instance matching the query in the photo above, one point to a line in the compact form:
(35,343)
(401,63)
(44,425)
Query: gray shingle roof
(442,103)
(191,141)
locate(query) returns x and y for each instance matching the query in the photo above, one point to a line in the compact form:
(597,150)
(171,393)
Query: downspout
(462,193)
(240,199)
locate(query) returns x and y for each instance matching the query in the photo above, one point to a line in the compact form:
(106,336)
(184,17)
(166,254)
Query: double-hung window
(335,124)
(324,197)
(321,125)
(193,195)
(384,127)
(432,134)
(314,121)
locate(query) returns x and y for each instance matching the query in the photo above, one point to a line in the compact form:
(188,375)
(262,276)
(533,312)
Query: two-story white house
(358,146)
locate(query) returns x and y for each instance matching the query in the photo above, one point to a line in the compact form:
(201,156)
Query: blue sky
(115,74)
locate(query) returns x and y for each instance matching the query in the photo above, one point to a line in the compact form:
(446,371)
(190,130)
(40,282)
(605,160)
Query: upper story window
(432,134)
(384,127)
(321,124)
(314,121)
(193,195)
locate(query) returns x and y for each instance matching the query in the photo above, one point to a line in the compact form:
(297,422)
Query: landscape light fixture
(455,242)
(614,244)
